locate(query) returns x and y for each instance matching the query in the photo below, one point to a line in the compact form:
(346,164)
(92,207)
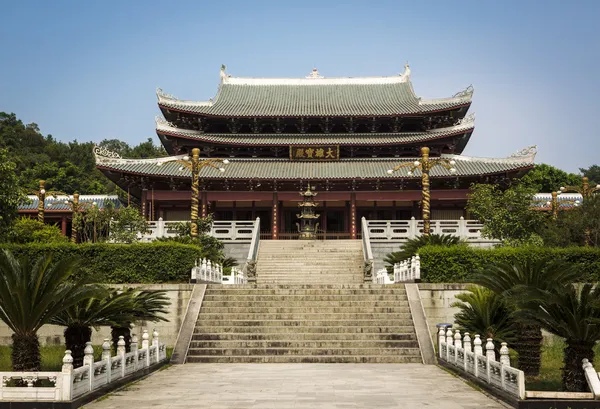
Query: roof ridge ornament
(466,120)
(102,152)
(527,152)
(467,93)
(163,95)
(223,75)
(162,121)
(406,73)
(314,74)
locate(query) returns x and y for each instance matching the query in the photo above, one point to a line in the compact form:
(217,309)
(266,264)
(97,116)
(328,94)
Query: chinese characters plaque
(315,152)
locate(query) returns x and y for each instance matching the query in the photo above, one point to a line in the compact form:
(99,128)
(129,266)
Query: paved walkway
(310,386)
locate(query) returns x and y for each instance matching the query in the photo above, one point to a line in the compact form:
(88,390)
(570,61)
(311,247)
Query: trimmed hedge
(156,262)
(459,263)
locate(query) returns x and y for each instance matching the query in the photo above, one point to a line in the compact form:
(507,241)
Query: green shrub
(123,263)
(459,264)
(28,230)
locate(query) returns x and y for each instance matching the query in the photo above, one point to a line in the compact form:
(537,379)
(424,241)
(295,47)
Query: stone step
(308,336)
(339,286)
(224,327)
(301,344)
(302,351)
(303,292)
(299,323)
(293,298)
(306,308)
(286,303)
(378,359)
(300,315)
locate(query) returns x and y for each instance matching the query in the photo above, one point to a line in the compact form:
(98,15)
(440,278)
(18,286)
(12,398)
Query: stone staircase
(309,305)
(309,262)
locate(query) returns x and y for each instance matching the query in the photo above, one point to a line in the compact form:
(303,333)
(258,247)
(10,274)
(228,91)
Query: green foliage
(28,230)
(10,192)
(31,294)
(459,264)
(120,225)
(483,312)
(412,246)
(67,167)
(506,215)
(570,226)
(125,263)
(546,178)
(593,174)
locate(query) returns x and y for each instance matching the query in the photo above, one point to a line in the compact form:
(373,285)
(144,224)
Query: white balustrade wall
(408,271)
(467,355)
(72,383)
(403,230)
(382,277)
(225,230)
(206,272)
(237,276)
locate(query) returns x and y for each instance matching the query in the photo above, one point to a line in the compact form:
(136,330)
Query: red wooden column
(144,203)
(63,225)
(274,220)
(353,215)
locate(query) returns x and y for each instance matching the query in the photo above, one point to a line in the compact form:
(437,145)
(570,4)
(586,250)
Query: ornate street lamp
(586,192)
(41,195)
(554,205)
(425,165)
(194,165)
(75,206)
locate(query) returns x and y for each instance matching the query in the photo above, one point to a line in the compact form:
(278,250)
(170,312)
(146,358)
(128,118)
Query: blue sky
(88,70)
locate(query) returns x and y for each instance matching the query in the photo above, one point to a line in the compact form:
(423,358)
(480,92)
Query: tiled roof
(165,128)
(314,96)
(367,168)
(58,202)
(565,200)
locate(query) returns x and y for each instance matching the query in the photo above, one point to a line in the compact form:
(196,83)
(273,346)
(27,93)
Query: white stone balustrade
(224,230)
(403,230)
(592,378)
(408,271)
(204,271)
(456,351)
(382,277)
(72,383)
(237,276)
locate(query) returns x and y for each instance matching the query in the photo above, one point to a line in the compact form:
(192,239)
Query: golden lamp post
(555,206)
(194,165)
(586,192)
(425,165)
(41,195)
(76,207)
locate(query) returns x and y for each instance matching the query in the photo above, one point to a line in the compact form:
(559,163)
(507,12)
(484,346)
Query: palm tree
(573,313)
(31,294)
(105,309)
(484,312)
(412,246)
(147,306)
(508,281)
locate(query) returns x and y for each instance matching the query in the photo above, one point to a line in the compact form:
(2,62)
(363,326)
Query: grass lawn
(552,362)
(52,356)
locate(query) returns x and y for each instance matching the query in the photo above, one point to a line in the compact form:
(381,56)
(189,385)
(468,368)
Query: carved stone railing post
(504,354)
(106,357)
(88,359)
(413,229)
(441,338)
(67,376)
(467,342)
(489,350)
(121,353)
(477,345)
(146,345)
(457,339)
(156,344)
(449,336)
(135,349)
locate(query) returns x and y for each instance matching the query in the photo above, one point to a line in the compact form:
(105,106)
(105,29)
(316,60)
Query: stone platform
(298,386)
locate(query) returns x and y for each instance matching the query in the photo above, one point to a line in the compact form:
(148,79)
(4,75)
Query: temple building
(341,135)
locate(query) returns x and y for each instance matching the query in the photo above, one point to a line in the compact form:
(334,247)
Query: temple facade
(340,135)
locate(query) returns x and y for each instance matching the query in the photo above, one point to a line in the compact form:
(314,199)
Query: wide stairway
(309,309)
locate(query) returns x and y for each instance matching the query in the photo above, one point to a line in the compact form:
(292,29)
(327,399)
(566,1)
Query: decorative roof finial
(223,75)
(406,70)
(314,74)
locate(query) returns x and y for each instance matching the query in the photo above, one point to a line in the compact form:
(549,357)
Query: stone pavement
(310,386)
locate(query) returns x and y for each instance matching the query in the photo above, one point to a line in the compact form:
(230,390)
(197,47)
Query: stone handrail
(592,378)
(369,264)
(249,269)
(236,277)
(403,230)
(72,383)
(408,271)
(204,271)
(467,356)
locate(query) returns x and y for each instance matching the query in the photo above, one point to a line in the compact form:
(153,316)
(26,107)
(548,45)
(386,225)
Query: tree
(593,173)
(573,313)
(506,215)
(546,178)
(507,281)
(28,230)
(107,308)
(31,294)
(10,193)
(485,313)
(573,225)
(412,246)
